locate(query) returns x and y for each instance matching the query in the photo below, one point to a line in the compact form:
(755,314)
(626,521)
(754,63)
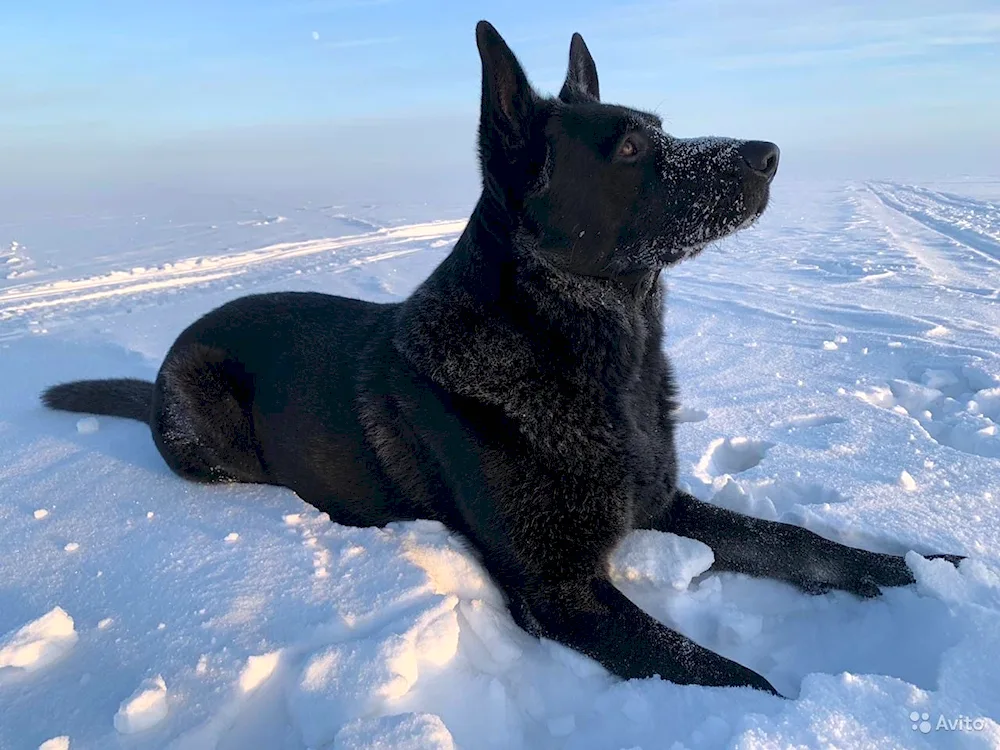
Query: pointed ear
(581,78)
(508,99)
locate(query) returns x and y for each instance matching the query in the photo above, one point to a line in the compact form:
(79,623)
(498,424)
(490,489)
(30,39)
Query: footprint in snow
(688,414)
(800,421)
(730,456)
(957,407)
(773,499)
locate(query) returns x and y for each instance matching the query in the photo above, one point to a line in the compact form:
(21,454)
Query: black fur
(123,397)
(521,394)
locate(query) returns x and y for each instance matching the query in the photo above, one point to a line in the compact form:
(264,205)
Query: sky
(287,90)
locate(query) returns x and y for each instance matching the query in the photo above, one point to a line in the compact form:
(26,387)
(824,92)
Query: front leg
(744,544)
(595,618)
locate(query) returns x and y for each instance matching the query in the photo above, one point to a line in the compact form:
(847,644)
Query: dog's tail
(122,397)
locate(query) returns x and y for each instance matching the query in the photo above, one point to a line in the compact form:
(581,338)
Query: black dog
(521,395)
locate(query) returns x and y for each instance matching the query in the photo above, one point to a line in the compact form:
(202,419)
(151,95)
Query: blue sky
(122,87)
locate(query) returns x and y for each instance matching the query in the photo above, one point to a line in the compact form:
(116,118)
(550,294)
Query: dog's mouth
(733,211)
(756,163)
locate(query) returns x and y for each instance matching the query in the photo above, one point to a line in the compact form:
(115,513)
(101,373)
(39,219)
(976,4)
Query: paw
(953,559)
(870,572)
(722,672)
(873,572)
(869,588)
(813,588)
(759,683)
(864,573)
(864,586)
(855,571)
(748,678)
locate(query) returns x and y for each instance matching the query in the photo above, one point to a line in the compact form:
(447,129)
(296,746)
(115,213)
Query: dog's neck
(497,240)
(504,309)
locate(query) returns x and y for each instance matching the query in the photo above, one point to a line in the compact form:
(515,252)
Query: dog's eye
(629,148)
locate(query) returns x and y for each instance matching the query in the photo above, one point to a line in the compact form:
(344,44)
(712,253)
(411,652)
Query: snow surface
(839,369)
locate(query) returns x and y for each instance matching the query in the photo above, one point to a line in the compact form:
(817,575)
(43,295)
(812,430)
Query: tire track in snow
(952,266)
(814,317)
(972,225)
(199,270)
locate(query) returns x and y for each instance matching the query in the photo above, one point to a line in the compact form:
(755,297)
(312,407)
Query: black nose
(760,156)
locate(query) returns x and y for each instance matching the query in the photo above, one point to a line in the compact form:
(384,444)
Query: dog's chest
(618,435)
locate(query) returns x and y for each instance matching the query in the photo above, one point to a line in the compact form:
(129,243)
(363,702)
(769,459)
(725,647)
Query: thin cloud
(781,35)
(877,51)
(320,7)
(368,42)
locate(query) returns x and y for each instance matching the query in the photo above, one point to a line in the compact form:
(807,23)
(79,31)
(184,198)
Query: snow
(38,644)
(399,732)
(87,425)
(144,709)
(237,616)
(258,670)
(660,558)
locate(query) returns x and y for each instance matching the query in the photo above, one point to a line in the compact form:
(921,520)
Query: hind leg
(202,422)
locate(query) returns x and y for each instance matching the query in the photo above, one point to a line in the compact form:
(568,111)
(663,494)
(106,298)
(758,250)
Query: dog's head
(599,189)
